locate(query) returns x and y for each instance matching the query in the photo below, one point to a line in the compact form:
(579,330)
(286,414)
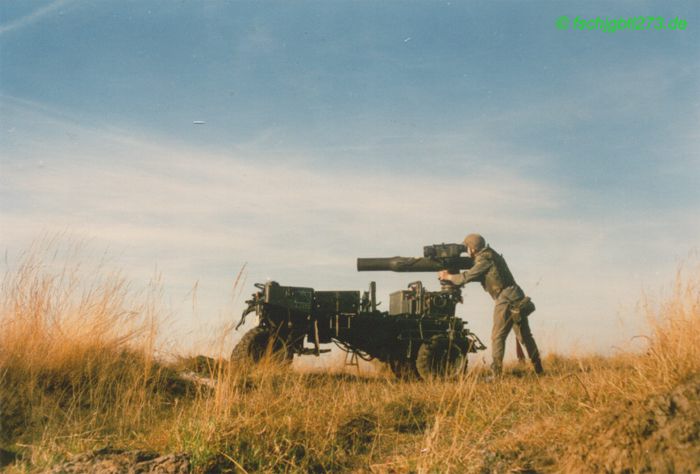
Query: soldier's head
(474,243)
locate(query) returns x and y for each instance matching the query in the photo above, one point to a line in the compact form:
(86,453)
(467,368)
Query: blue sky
(344,129)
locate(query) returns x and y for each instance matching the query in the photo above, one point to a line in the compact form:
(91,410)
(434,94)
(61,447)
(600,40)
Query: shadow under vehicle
(419,336)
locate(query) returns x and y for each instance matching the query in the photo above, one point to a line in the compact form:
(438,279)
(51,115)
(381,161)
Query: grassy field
(78,373)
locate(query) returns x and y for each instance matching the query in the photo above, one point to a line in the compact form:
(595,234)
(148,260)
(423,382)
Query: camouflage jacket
(490,269)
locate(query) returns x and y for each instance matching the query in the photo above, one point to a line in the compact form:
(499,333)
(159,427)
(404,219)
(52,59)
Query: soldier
(511,304)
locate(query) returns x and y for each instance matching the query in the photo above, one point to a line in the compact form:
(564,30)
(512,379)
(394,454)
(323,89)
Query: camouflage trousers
(502,324)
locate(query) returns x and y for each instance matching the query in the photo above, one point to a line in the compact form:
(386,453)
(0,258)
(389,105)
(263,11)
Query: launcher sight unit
(418,337)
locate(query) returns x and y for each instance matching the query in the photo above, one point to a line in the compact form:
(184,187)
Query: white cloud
(198,216)
(34,16)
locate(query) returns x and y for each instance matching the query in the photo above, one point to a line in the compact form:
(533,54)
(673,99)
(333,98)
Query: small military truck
(418,337)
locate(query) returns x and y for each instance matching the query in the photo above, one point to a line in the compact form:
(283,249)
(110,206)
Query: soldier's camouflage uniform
(491,270)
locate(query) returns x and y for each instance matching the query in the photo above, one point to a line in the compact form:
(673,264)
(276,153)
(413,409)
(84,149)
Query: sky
(336,130)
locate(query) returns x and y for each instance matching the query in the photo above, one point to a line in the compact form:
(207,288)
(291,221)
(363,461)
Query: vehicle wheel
(404,369)
(441,358)
(257,344)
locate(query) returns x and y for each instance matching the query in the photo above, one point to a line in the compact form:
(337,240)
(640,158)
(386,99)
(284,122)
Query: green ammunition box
(402,302)
(291,297)
(337,302)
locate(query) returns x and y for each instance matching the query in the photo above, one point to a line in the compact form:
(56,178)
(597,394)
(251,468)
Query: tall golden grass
(76,354)
(78,372)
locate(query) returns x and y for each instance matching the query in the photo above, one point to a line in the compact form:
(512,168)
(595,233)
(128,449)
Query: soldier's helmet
(475,242)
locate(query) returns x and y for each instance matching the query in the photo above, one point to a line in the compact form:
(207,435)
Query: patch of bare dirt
(114,461)
(660,435)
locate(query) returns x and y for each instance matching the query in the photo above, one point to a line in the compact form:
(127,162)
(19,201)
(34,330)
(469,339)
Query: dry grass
(77,372)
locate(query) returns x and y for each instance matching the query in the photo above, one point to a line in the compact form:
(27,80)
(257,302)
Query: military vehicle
(418,337)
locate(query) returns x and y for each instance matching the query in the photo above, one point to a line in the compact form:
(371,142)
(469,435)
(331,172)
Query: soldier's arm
(481,266)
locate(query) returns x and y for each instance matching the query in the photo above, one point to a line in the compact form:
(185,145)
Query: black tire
(257,344)
(442,358)
(404,369)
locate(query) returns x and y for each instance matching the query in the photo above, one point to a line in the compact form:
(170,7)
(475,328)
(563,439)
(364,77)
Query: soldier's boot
(537,364)
(496,370)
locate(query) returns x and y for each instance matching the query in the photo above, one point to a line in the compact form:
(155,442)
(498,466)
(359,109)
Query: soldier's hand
(444,276)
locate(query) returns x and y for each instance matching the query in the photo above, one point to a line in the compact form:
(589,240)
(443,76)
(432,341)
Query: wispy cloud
(34,16)
(199,215)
